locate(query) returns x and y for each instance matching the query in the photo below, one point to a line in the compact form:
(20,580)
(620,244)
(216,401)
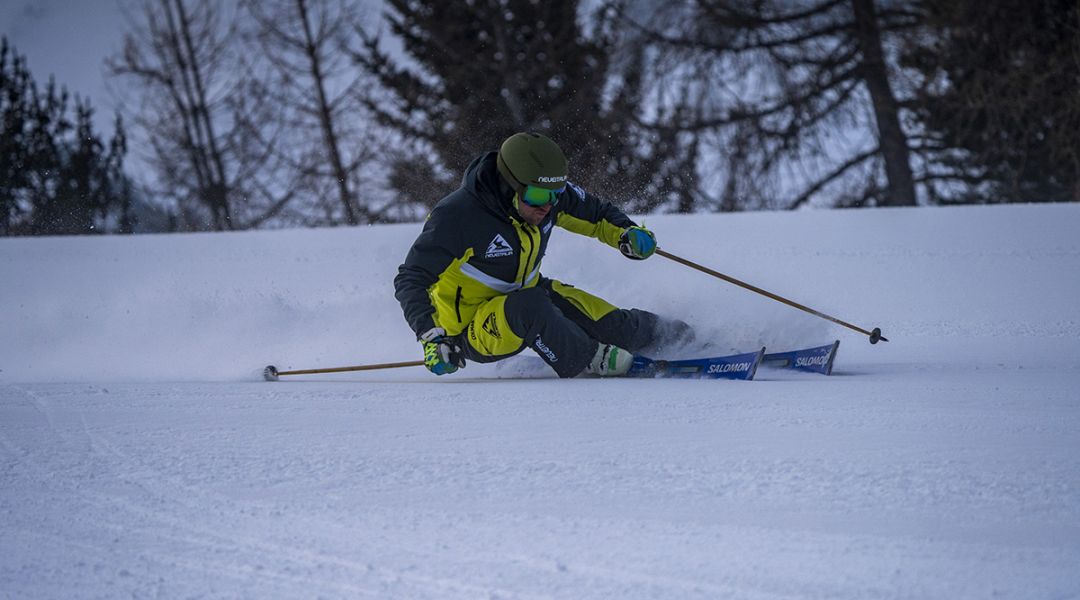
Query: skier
(471,286)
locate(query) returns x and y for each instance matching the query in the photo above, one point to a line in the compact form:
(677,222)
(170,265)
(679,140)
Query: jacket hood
(483,181)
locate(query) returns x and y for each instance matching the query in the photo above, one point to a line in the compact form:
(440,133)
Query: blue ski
(736,366)
(816,360)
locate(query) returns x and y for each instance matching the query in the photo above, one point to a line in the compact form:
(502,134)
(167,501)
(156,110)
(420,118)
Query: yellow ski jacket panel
(474,247)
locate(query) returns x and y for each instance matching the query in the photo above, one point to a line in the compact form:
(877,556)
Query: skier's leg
(633,329)
(506,325)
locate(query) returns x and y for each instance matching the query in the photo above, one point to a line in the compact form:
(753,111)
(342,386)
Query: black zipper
(457,304)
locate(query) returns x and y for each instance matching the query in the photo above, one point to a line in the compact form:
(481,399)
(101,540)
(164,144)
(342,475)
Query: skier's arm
(436,247)
(581,212)
(585,214)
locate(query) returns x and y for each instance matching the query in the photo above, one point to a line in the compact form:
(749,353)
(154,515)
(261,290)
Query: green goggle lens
(538,196)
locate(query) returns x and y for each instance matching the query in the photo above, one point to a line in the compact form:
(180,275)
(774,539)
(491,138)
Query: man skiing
(471,286)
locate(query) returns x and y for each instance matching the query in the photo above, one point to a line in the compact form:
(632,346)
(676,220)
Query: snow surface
(141,456)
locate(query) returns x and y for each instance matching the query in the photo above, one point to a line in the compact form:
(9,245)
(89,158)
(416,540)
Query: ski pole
(270,373)
(875,334)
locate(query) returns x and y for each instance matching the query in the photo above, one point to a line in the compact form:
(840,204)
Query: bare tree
(315,88)
(198,114)
(787,87)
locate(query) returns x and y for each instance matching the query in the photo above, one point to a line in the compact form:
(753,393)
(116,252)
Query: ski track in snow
(139,456)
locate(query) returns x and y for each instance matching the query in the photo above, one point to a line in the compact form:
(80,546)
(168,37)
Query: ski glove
(441,354)
(637,243)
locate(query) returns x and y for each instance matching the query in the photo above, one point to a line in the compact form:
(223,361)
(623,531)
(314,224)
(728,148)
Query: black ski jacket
(474,247)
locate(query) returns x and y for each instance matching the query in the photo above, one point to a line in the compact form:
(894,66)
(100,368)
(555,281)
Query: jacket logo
(545,351)
(577,189)
(498,247)
(491,326)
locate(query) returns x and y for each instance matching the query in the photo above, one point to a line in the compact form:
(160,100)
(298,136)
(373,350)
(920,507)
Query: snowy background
(142,456)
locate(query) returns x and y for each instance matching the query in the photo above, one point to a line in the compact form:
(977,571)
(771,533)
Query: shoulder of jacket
(576,189)
(454,203)
(465,217)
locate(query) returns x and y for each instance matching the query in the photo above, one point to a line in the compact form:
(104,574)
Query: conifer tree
(481,71)
(999,99)
(57,175)
(778,86)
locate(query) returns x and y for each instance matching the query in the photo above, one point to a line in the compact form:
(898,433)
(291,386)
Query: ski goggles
(537,196)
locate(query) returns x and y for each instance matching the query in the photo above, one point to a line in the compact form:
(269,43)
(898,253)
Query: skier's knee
(525,307)
(529,301)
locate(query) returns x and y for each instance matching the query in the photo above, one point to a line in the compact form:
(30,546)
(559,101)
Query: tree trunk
(893,142)
(326,119)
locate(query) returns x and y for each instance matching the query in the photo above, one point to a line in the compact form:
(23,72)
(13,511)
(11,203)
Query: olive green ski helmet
(532,159)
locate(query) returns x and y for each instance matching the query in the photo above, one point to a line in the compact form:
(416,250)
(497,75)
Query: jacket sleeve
(585,214)
(438,245)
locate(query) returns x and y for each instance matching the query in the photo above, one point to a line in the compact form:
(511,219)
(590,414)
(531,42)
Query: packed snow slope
(142,456)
